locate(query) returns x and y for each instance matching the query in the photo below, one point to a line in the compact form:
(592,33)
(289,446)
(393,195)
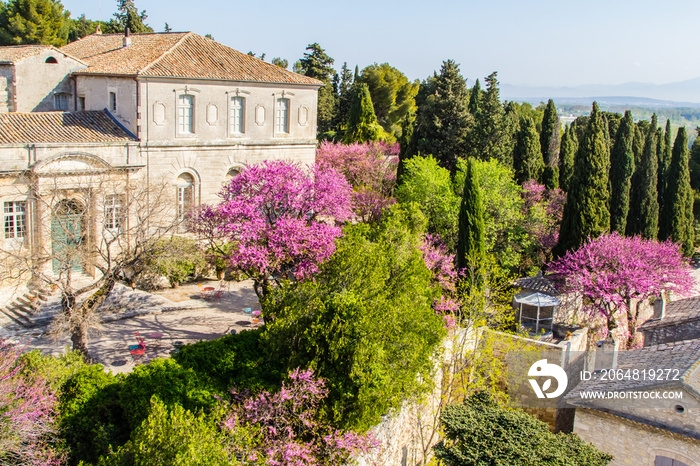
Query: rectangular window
(114,213)
(15,219)
(60,102)
(237,115)
(185,114)
(81,104)
(113,101)
(282,116)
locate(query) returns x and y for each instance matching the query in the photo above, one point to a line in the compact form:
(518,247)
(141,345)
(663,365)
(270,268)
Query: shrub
(172,436)
(481,432)
(176,258)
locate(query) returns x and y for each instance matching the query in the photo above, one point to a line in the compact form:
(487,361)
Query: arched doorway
(68,236)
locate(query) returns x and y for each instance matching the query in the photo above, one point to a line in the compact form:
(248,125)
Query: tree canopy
(34,22)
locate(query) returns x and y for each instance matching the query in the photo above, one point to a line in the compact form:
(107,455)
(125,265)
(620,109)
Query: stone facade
(634,443)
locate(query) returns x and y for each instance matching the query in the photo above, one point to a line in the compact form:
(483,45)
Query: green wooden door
(67,236)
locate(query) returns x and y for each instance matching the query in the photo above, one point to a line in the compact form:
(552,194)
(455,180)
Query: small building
(646,412)
(674,321)
(537,304)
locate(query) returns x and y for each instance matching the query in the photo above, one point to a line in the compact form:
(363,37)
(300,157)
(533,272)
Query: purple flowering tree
(610,271)
(543,209)
(370,168)
(283,427)
(279,219)
(441,263)
(27,404)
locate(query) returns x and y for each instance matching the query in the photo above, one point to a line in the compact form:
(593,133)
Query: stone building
(654,420)
(172,108)
(674,321)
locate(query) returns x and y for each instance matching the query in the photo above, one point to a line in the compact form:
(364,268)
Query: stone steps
(24,309)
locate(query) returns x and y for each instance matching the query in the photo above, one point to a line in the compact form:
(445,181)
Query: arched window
(51,60)
(232,173)
(185,194)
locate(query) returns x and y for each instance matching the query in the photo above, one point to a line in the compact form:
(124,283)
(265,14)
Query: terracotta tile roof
(683,310)
(59,127)
(177,55)
(15,53)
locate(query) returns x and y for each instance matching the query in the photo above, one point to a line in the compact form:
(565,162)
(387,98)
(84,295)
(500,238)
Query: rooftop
(175,55)
(59,127)
(683,310)
(15,53)
(537,283)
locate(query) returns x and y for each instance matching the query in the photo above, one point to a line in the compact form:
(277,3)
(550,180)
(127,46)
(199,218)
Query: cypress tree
(695,162)
(549,137)
(527,156)
(404,147)
(646,217)
(471,247)
(621,170)
(362,122)
(586,213)
(664,158)
(677,221)
(475,98)
(569,146)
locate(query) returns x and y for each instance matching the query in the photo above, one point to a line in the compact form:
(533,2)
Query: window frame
(14,220)
(239,114)
(114,213)
(61,98)
(180,122)
(185,202)
(112,101)
(279,129)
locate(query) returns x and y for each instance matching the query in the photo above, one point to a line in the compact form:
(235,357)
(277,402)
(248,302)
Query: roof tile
(59,127)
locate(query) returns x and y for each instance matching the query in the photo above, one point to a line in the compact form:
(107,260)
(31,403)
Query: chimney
(659,308)
(605,357)
(99,29)
(127,38)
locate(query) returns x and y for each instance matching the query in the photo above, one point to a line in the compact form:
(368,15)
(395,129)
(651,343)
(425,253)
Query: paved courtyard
(166,320)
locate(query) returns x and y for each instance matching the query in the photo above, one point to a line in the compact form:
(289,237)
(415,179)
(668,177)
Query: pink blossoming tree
(285,429)
(279,219)
(370,168)
(543,210)
(610,271)
(27,404)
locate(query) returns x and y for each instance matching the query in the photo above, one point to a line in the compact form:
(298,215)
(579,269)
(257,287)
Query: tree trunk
(261,285)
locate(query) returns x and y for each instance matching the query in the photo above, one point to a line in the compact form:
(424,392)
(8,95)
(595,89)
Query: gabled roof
(176,55)
(16,53)
(683,310)
(59,127)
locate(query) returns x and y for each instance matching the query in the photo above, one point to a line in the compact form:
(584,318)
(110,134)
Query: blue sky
(529,42)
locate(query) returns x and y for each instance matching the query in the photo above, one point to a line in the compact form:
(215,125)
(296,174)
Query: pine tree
(646,214)
(362,123)
(527,156)
(569,146)
(471,247)
(621,171)
(317,64)
(442,119)
(33,22)
(549,136)
(475,98)
(676,222)
(586,213)
(489,139)
(128,16)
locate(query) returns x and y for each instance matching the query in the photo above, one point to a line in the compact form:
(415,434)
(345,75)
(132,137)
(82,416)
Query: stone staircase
(24,310)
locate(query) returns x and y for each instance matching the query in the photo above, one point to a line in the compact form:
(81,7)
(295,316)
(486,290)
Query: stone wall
(675,331)
(633,443)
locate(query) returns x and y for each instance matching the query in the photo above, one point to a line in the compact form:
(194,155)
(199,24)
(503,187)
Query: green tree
(644,220)
(393,95)
(317,64)
(471,246)
(550,135)
(82,27)
(345,93)
(281,62)
(664,151)
(475,95)
(569,147)
(586,213)
(621,170)
(128,16)
(677,221)
(365,323)
(442,119)
(695,162)
(34,22)
(479,432)
(362,123)
(489,139)
(527,156)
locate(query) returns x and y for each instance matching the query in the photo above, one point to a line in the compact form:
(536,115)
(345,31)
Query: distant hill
(678,94)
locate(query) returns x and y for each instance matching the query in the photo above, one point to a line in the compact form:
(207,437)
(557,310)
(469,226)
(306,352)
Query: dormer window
(51,60)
